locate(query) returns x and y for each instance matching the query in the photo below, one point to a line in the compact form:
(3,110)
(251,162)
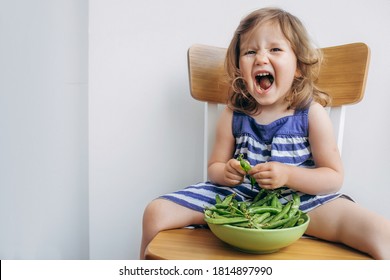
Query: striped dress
(284,140)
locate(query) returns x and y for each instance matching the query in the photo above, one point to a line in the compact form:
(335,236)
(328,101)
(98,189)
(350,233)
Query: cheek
(246,75)
(288,72)
(245,69)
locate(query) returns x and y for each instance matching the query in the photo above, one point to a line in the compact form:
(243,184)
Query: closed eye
(250,53)
(275,50)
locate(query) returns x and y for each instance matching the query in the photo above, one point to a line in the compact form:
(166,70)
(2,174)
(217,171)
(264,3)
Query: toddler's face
(267,63)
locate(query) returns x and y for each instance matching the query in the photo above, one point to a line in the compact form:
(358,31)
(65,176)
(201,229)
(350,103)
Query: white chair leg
(337,116)
(210,122)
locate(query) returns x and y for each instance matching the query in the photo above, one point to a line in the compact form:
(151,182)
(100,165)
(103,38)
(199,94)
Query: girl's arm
(328,175)
(222,169)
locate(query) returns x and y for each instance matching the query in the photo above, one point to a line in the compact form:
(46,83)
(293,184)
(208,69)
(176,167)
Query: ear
(298,73)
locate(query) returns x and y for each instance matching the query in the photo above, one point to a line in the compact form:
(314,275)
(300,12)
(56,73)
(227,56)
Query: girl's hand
(233,173)
(270,175)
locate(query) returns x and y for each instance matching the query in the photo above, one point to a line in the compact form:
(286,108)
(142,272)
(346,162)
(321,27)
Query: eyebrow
(271,44)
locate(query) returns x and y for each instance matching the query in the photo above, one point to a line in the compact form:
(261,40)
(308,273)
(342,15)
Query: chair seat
(202,244)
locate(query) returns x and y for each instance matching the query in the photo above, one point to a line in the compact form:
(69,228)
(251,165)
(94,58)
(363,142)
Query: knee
(150,211)
(161,214)
(153,215)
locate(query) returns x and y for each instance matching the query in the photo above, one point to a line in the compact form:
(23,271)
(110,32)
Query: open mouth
(264,80)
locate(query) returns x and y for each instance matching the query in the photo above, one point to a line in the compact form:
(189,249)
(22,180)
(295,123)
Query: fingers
(234,167)
(264,179)
(266,183)
(234,174)
(265,175)
(233,180)
(261,167)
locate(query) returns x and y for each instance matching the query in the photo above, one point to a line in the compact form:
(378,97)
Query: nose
(261,58)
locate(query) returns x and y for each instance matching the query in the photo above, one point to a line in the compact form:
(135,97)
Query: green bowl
(259,241)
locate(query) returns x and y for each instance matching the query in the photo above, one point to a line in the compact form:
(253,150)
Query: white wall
(43,129)
(145,132)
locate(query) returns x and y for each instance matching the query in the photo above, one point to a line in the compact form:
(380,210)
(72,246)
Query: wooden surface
(343,73)
(201,244)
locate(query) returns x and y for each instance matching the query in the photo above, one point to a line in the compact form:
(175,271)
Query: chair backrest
(343,75)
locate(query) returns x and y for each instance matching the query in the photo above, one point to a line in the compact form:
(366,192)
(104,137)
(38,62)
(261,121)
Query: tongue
(265,82)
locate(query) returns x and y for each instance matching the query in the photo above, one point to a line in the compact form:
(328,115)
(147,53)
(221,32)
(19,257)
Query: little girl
(276,118)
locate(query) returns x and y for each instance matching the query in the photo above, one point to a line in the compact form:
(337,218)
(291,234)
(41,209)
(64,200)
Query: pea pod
(221,205)
(284,211)
(276,224)
(261,218)
(268,219)
(244,163)
(222,221)
(264,209)
(235,210)
(300,221)
(259,195)
(264,213)
(243,224)
(275,202)
(219,211)
(228,199)
(264,200)
(295,204)
(293,220)
(243,206)
(246,166)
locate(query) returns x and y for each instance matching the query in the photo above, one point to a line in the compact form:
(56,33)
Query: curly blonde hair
(309,60)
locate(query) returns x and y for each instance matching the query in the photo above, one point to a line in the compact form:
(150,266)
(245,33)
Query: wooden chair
(343,76)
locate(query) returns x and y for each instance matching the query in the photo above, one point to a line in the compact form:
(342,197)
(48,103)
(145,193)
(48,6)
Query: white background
(96,118)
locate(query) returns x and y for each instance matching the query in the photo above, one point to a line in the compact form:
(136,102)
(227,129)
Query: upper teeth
(263,74)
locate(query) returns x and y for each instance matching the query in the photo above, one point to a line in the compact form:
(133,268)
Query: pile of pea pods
(264,212)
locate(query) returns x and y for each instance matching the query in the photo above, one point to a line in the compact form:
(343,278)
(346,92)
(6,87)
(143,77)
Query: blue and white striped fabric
(284,140)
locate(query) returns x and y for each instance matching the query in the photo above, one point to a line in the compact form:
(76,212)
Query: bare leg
(344,221)
(162,214)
